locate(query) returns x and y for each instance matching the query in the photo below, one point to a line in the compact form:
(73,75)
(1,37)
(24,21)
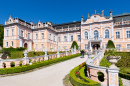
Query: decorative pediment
(96,18)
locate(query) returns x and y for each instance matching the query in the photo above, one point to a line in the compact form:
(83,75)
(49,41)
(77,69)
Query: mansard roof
(75,22)
(23,21)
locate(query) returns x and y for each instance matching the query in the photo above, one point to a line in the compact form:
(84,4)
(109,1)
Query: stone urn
(113,60)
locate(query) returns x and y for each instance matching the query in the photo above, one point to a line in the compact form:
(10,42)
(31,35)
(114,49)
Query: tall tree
(1,34)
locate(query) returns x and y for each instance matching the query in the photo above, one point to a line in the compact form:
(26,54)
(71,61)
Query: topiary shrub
(110,44)
(12,64)
(74,44)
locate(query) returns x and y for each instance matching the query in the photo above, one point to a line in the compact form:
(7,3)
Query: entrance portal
(26,45)
(96,46)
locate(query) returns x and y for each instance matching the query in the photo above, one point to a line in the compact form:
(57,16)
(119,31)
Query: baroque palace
(93,32)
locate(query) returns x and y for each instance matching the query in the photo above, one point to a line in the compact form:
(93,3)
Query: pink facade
(93,32)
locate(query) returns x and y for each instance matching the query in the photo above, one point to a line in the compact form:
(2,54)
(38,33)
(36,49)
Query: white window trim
(115,35)
(77,37)
(109,34)
(84,34)
(127,46)
(6,44)
(35,36)
(64,39)
(12,32)
(126,34)
(70,37)
(42,35)
(21,33)
(11,43)
(7,34)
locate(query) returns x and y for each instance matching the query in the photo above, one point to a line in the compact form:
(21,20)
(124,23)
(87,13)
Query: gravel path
(125,82)
(49,76)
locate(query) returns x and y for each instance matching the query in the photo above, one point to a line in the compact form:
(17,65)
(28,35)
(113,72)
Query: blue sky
(59,11)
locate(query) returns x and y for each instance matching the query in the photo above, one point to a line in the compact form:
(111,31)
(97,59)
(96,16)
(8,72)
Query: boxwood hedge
(24,68)
(78,82)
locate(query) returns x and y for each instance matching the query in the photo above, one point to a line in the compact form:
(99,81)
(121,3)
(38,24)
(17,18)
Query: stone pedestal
(66,52)
(26,61)
(113,77)
(46,56)
(58,54)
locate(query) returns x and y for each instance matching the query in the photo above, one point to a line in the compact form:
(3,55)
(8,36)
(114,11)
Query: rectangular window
(59,39)
(128,34)
(7,32)
(12,43)
(22,33)
(86,46)
(65,38)
(50,36)
(58,47)
(36,35)
(28,35)
(128,46)
(42,35)
(42,46)
(36,46)
(12,32)
(64,47)
(54,38)
(6,44)
(72,38)
(118,45)
(78,37)
(117,35)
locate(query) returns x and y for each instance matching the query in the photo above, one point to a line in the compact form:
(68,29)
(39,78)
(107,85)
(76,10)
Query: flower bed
(78,78)
(24,68)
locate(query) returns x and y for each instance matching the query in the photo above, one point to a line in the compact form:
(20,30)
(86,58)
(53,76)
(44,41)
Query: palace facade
(93,32)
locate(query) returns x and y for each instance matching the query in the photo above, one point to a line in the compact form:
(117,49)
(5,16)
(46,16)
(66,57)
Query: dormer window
(9,20)
(32,25)
(39,25)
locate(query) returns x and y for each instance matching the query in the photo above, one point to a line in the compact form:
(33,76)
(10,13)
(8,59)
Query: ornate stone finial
(111,13)
(82,16)
(102,12)
(95,11)
(10,15)
(88,15)
(39,21)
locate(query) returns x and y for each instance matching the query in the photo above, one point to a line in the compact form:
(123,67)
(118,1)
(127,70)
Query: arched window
(96,35)
(106,33)
(86,35)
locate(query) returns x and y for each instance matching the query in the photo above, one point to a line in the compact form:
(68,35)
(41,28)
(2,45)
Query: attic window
(94,16)
(32,25)
(39,25)
(10,20)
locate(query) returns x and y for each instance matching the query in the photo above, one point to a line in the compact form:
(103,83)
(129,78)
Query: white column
(90,46)
(81,35)
(90,31)
(18,32)
(0,63)
(68,38)
(101,30)
(112,31)
(20,43)
(45,35)
(123,33)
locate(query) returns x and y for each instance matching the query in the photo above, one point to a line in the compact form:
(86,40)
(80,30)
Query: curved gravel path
(49,76)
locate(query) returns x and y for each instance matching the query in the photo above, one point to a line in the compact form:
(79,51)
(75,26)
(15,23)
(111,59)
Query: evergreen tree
(74,44)
(1,35)
(110,44)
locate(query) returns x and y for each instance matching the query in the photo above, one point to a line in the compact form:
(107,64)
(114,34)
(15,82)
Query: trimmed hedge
(124,75)
(24,68)
(16,54)
(74,44)
(110,44)
(77,82)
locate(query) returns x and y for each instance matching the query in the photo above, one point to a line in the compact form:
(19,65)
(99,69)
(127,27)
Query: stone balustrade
(93,69)
(30,60)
